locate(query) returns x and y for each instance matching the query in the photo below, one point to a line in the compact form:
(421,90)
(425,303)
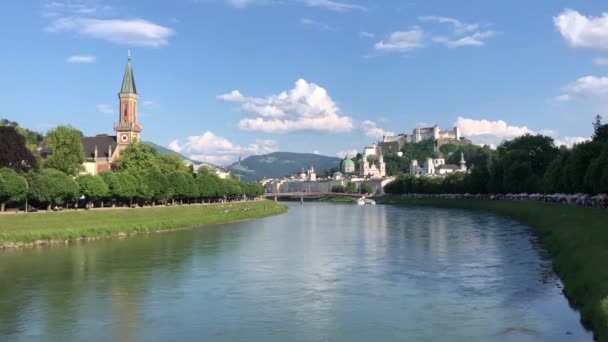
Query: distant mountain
(279,164)
(164,150)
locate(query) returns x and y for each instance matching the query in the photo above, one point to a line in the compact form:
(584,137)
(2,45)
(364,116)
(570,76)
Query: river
(322,272)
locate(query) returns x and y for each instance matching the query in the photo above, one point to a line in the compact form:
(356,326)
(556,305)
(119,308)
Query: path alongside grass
(21,230)
(576,238)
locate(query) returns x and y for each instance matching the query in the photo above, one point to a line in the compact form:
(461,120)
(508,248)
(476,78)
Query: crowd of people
(583,200)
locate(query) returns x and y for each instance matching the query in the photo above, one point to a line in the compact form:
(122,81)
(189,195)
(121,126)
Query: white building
(372,163)
(436,166)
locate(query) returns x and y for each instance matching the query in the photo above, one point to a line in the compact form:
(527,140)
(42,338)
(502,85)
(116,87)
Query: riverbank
(334,199)
(575,237)
(23,230)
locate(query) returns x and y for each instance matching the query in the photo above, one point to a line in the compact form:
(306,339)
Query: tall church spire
(128,81)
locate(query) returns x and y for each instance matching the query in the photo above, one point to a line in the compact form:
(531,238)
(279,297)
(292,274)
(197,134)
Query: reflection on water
(319,273)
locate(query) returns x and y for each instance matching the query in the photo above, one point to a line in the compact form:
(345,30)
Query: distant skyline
(221,77)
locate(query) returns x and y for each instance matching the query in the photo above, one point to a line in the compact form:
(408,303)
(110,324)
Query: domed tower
(438,158)
(127,128)
(347,165)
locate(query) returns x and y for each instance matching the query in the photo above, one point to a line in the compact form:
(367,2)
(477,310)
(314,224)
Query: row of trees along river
(141,174)
(527,164)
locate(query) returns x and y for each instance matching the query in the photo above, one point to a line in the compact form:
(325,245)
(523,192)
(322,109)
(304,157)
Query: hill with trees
(279,164)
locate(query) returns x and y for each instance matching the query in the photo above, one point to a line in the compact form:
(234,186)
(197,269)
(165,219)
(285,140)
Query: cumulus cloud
(486,132)
(105,108)
(402,41)
(463,34)
(333,5)
(218,150)
(347,153)
(489,132)
(370,129)
(582,31)
(587,86)
(121,31)
(81,59)
(306,107)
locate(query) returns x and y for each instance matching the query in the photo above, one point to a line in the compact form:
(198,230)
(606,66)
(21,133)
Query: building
(102,151)
(372,163)
(435,165)
(393,144)
(347,165)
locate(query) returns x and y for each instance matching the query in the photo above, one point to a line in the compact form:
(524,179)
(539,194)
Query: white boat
(369,202)
(361,201)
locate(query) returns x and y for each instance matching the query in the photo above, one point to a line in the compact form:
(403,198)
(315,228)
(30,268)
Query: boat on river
(365,201)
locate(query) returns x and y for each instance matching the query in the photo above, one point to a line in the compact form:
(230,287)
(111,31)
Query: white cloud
(81,59)
(476,39)
(350,153)
(306,107)
(486,132)
(241,3)
(130,31)
(316,24)
(105,108)
(370,129)
(587,86)
(581,31)
(59,8)
(316,152)
(365,34)
(489,132)
(402,41)
(218,150)
(458,26)
(338,6)
(150,104)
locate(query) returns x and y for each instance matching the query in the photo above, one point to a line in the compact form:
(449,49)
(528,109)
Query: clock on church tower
(127,128)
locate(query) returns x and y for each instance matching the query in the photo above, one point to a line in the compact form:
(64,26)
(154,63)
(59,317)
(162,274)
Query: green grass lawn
(576,238)
(24,229)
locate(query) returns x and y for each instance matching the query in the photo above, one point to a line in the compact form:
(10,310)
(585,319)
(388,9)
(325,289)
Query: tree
(128,186)
(92,187)
(51,186)
(158,184)
(178,183)
(337,188)
(13,152)
(111,180)
(137,158)
(67,152)
(366,189)
(13,188)
(32,138)
(169,163)
(350,187)
(208,185)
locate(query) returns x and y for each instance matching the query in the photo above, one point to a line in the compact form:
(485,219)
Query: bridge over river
(308,195)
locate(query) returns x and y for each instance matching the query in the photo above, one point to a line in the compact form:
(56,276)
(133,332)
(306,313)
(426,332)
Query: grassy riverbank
(576,238)
(41,228)
(334,199)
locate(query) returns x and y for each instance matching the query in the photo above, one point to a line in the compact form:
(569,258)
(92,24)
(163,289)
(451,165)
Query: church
(435,165)
(102,151)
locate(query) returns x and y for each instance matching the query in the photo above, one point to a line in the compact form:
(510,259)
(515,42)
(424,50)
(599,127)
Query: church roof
(437,155)
(448,167)
(102,141)
(128,81)
(347,163)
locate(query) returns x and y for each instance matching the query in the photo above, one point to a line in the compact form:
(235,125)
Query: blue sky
(220,77)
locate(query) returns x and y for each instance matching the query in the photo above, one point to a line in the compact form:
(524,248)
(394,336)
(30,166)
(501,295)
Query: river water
(321,272)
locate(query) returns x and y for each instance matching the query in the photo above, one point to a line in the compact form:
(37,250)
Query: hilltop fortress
(393,144)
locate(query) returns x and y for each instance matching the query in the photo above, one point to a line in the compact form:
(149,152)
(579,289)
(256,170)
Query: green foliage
(13,187)
(114,188)
(178,183)
(338,188)
(128,186)
(51,186)
(169,163)
(32,138)
(366,189)
(67,152)
(137,158)
(13,151)
(350,187)
(92,187)
(157,183)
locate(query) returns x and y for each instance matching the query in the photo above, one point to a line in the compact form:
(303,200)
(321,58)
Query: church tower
(127,128)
